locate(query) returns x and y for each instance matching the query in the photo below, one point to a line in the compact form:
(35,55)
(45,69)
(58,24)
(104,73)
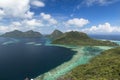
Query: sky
(44,16)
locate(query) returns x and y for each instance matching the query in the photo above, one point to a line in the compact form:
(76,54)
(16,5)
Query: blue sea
(106,37)
(113,38)
(30,57)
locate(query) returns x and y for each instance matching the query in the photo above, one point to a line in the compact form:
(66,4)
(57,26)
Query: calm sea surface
(21,58)
(107,37)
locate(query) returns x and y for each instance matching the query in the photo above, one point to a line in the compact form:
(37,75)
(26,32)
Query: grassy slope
(103,67)
(79,38)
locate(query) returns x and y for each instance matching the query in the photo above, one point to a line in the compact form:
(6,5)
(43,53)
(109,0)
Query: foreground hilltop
(80,38)
(27,34)
(103,67)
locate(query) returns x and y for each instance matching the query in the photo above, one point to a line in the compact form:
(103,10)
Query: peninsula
(81,39)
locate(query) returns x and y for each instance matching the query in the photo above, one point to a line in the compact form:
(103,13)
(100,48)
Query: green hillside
(55,34)
(80,38)
(103,67)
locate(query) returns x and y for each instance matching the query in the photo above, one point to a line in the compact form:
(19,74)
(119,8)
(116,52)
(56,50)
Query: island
(20,34)
(55,34)
(102,67)
(80,39)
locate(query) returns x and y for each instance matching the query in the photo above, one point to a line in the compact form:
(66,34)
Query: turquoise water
(118,42)
(83,55)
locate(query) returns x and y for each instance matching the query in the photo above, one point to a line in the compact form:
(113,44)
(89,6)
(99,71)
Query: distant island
(80,38)
(20,34)
(58,37)
(103,67)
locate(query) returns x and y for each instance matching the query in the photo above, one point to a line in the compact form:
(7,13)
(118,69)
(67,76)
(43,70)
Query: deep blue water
(19,60)
(23,57)
(107,37)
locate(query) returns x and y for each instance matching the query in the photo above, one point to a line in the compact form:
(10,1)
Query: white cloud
(27,24)
(77,22)
(14,8)
(45,16)
(48,18)
(16,23)
(11,27)
(18,8)
(103,28)
(37,3)
(3,29)
(99,2)
(29,15)
(21,18)
(2,13)
(24,25)
(32,22)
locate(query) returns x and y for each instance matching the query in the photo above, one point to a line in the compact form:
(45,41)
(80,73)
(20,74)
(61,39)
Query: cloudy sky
(90,16)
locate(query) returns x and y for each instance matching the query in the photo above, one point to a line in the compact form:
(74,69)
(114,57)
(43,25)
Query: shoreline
(78,59)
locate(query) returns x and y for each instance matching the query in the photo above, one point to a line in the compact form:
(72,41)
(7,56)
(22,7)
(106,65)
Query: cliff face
(80,38)
(27,34)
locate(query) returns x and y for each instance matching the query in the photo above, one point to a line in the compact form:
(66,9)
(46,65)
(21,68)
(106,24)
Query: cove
(20,60)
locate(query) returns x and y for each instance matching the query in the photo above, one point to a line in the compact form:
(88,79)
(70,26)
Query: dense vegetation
(103,67)
(28,34)
(79,38)
(55,34)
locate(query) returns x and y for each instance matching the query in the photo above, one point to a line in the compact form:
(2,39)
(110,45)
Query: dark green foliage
(82,39)
(55,34)
(19,34)
(32,34)
(103,67)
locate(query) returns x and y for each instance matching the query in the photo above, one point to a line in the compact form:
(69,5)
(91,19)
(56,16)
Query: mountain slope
(31,33)
(103,67)
(55,34)
(27,34)
(80,38)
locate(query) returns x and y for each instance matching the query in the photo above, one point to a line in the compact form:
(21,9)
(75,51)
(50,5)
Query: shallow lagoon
(83,55)
(73,56)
